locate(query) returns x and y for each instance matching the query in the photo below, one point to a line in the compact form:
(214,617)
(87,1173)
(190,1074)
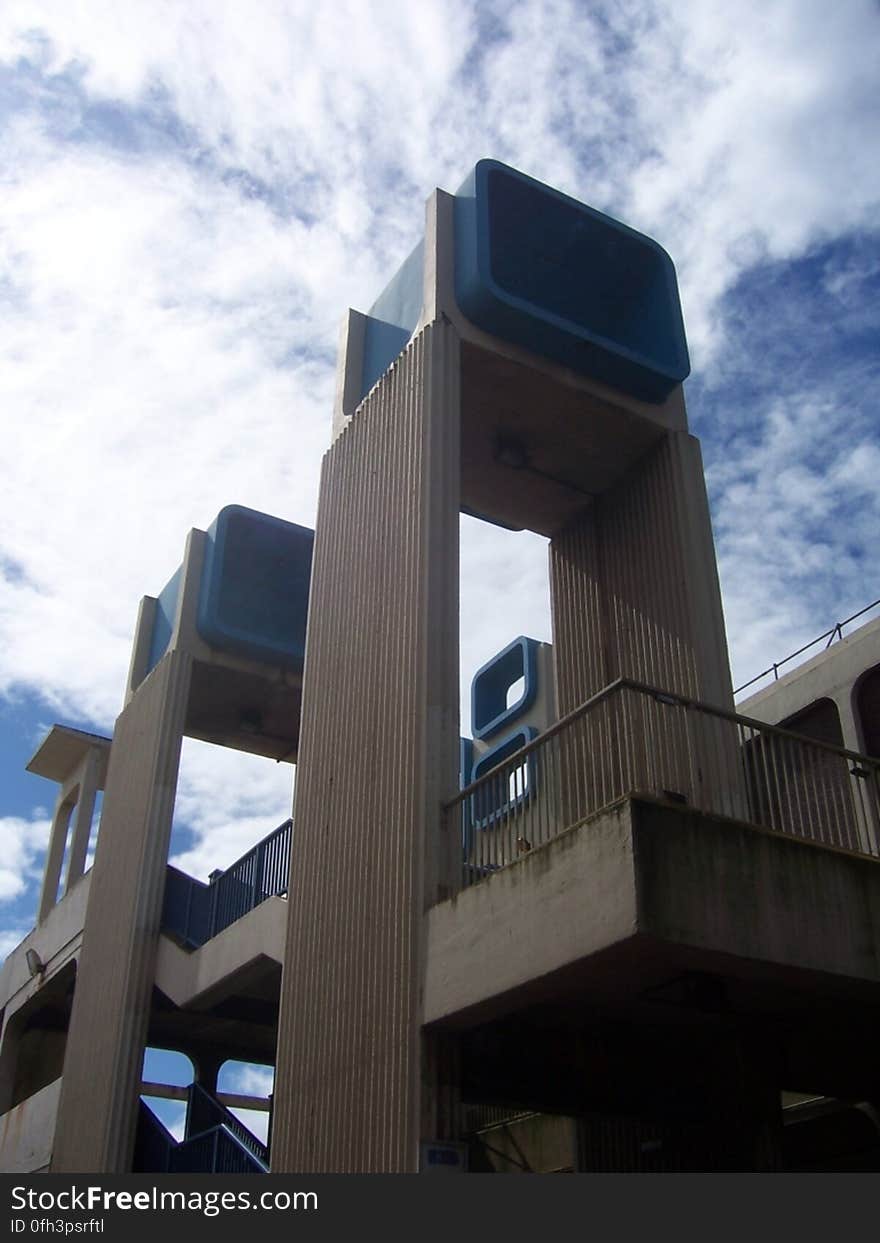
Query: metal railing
(194,912)
(204,1112)
(631,738)
(836,632)
(217,1151)
(220,1145)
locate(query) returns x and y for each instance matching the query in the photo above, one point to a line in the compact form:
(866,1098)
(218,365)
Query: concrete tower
(524,366)
(218,656)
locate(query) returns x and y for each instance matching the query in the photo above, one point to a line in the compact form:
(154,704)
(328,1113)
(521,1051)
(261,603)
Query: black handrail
(204,1111)
(194,912)
(836,630)
(218,1149)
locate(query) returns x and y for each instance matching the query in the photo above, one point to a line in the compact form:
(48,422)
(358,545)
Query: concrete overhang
(539,443)
(626,911)
(254,710)
(62,750)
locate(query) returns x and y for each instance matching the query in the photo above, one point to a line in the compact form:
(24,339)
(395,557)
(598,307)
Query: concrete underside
(625,964)
(221,1000)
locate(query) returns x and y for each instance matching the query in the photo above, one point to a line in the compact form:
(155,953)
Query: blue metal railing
(194,912)
(221,1145)
(204,1113)
(216,1151)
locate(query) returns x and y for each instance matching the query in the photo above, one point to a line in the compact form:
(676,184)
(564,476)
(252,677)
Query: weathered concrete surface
(628,901)
(184,976)
(574,897)
(719,886)
(27,1132)
(55,940)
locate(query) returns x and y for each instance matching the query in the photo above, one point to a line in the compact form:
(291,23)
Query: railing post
(259,863)
(215,889)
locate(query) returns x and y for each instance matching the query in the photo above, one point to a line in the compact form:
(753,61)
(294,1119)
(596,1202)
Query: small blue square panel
(489,709)
(502,794)
(542,270)
(254,597)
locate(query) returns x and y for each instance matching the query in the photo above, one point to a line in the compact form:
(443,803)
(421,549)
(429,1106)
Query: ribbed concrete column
(378,753)
(634,585)
(102,1066)
(634,593)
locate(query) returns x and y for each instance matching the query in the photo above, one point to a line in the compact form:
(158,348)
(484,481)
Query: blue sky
(192,195)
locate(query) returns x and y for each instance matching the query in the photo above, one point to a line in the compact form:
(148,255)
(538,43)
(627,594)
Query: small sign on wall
(442,1157)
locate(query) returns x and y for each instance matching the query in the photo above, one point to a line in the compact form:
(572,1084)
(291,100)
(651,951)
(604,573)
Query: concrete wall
(55,940)
(27,1132)
(695,886)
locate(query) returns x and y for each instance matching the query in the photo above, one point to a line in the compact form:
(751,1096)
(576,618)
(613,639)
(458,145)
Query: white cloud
(228,801)
(759,116)
(505,592)
(247,1078)
(796,517)
(257,1122)
(24,842)
(11,937)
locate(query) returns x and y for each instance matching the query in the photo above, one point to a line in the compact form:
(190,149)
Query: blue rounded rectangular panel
(254,596)
(489,709)
(494,801)
(542,270)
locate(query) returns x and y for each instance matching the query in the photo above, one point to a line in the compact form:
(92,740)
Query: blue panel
(383,343)
(254,596)
(392,318)
(493,801)
(489,710)
(542,270)
(163,625)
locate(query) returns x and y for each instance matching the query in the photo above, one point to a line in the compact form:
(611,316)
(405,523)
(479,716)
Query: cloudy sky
(193,194)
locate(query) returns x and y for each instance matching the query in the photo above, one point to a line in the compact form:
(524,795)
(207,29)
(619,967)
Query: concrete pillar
(102,1069)
(635,594)
(78,762)
(82,820)
(634,585)
(378,755)
(55,853)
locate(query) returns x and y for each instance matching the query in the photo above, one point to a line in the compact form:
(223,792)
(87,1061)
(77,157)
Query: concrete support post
(634,586)
(378,755)
(634,593)
(55,853)
(97,1112)
(82,820)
